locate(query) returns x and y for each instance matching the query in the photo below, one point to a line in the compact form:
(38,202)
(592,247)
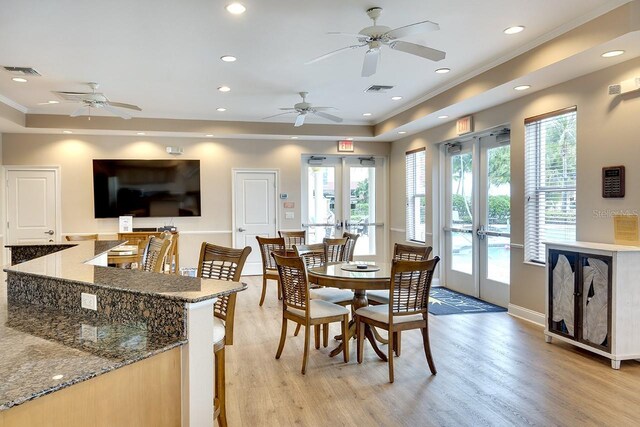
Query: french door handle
(481,233)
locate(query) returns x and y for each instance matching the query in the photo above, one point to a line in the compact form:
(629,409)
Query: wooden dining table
(335,275)
(122,255)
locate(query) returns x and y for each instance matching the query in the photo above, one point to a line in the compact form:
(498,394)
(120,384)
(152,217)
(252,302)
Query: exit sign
(464,125)
(345,145)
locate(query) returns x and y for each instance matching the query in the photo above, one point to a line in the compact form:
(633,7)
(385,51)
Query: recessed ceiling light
(228,58)
(396,98)
(443,70)
(514,30)
(141,133)
(612,53)
(522,87)
(224,88)
(19,80)
(236,8)
(443,117)
(209,135)
(294,137)
(57,377)
(366,114)
(402,132)
(221,109)
(67,131)
(53,102)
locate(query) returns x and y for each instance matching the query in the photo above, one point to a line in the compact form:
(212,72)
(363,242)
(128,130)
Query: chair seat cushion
(381,296)
(218,330)
(380,313)
(331,295)
(319,308)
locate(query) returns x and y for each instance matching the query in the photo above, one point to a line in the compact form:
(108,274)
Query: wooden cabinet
(593,298)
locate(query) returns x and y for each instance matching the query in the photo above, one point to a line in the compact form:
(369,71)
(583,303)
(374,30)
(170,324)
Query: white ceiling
(164,55)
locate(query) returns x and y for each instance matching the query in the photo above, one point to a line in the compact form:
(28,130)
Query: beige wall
(74,154)
(607,135)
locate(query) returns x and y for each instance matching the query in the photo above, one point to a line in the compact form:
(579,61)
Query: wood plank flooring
(493,370)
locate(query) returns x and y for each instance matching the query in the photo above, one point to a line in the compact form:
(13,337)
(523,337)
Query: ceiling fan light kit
(376,36)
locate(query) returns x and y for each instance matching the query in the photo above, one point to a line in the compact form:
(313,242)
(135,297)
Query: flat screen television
(146,188)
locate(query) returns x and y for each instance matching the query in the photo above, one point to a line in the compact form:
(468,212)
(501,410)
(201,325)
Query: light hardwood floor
(493,369)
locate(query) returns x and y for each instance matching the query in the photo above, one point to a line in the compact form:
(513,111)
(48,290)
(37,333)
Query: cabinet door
(595,300)
(562,289)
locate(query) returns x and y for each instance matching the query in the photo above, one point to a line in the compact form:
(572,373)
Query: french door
(477,217)
(345,194)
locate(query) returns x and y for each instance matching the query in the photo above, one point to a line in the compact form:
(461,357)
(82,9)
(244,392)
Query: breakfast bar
(74,332)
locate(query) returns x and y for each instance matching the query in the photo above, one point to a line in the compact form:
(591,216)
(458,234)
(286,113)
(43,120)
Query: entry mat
(445,301)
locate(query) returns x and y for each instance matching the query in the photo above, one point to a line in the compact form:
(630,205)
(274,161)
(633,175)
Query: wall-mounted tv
(146,188)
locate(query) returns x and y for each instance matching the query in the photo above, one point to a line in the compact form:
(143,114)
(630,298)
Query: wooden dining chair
(334,248)
(293,238)
(269,271)
(315,255)
(350,246)
(222,263)
(299,308)
(402,253)
(76,238)
(409,286)
(155,253)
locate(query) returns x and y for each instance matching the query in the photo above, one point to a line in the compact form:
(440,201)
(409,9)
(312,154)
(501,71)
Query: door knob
(50,232)
(242,229)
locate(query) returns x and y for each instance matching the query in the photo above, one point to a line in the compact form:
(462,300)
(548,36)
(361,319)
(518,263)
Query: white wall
(74,154)
(607,135)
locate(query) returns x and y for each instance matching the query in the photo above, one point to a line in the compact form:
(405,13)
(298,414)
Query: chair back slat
(334,248)
(293,238)
(293,281)
(350,246)
(410,252)
(222,263)
(267,246)
(410,286)
(313,255)
(155,253)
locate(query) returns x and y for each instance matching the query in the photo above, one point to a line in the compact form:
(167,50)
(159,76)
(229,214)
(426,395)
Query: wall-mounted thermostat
(284,196)
(613,181)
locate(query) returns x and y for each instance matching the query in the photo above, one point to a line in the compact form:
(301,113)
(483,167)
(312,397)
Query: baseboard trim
(526,314)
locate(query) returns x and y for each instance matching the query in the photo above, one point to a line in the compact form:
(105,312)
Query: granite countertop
(69,264)
(38,345)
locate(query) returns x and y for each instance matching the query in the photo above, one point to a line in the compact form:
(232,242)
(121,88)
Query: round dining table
(342,275)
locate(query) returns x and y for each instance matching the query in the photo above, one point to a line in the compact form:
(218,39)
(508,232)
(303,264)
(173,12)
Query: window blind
(416,199)
(550,181)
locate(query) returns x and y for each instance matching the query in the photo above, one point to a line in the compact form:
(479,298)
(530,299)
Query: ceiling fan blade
(123,105)
(328,116)
(116,111)
(276,115)
(340,33)
(79,111)
(300,120)
(324,108)
(419,50)
(370,63)
(411,29)
(327,55)
(287,109)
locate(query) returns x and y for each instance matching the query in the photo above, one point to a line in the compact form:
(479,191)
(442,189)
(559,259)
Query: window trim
(410,199)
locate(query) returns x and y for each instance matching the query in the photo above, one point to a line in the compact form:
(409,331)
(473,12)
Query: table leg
(360,300)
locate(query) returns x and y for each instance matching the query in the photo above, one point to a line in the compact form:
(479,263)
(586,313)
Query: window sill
(534,264)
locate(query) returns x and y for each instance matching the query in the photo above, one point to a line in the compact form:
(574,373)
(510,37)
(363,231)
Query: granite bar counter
(46,333)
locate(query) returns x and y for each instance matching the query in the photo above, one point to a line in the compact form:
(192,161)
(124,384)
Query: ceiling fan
(376,36)
(303,108)
(96,100)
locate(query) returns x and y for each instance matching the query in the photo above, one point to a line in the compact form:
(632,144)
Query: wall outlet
(288,215)
(88,333)
(89,301)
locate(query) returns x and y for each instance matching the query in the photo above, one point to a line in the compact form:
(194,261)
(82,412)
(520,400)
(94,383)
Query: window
(416,200)
(550,181)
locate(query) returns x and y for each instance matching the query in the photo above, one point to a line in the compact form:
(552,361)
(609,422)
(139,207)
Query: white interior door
(32,211)
(255,213)
(346,194)
(477,215)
